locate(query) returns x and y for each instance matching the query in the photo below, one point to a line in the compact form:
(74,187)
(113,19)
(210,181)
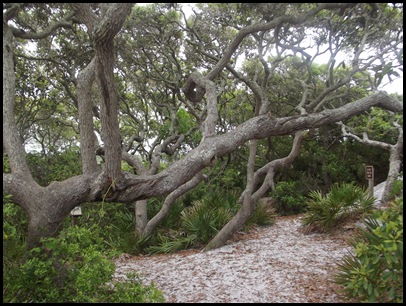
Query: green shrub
(115,224)
(15,226)
(204,221)
(122,237)
(344,202)
(55,167)
(132,291)
(288,199)
(73,267)
(263,215)
(199,221)
(397,188)
(375,272)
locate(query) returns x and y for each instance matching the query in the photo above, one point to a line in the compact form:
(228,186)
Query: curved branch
(276,164)
(170,199)
(260,127)
(66,22)
(195,93)
(365,139)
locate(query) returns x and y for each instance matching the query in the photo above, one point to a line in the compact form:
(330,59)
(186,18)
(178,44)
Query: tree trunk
(395,162)
(327,180)
(141,217)
(251,198)
(395,158)
(236,223)
(247,207)
(88,138)
(11,140)
(47,207)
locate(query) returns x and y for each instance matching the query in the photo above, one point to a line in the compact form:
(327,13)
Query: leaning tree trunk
(395,162)
(246,208)
(236,223)
(169,200)
(249,198)
(140,216)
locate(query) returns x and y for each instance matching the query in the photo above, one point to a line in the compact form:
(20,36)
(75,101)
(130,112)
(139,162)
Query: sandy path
(276,264)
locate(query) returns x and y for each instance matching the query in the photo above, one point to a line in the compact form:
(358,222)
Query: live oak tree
(174,67)
(384,130)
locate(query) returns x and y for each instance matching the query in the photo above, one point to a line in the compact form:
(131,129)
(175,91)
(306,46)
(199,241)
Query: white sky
(395,87)
(390,87)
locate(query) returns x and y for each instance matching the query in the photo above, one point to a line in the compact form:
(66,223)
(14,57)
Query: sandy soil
(275,264)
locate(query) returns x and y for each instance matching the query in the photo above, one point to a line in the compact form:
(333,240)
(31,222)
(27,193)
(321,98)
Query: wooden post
(75,213)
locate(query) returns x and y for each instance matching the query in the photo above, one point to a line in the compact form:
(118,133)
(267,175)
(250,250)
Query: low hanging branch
(395,152)
(259,127)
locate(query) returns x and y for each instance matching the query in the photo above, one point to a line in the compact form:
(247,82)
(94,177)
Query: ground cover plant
(344,202)
(374,271)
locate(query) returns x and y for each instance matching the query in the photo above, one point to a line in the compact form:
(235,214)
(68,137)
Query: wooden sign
(77,211)
(369,172)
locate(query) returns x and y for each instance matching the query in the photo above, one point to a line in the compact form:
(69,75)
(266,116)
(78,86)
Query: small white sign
(77,211)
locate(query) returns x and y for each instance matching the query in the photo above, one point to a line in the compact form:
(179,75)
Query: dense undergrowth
(373,269)
(60,270)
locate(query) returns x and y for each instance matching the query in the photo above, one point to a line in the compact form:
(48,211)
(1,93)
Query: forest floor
(273,264)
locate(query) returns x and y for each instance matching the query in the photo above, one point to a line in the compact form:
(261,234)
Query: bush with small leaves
(375,272)
(288,199)
(15,228)
(73,267)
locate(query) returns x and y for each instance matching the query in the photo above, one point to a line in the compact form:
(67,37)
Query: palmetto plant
(199,222)
(345,201)
(263,215)
(204,221)
(168,245)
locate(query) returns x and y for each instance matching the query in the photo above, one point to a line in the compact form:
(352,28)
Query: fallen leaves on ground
(275,264)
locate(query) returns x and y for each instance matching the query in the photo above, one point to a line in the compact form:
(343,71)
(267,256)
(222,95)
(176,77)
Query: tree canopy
(152,101)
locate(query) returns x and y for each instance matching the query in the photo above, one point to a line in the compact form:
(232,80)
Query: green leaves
(185,121)
(375,272)
(289,199)
(55,167)
(344,202)
(73,267)
(385,69)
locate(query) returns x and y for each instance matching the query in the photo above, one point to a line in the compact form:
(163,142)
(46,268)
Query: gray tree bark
(250,196)
(48,206)
(395,157)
